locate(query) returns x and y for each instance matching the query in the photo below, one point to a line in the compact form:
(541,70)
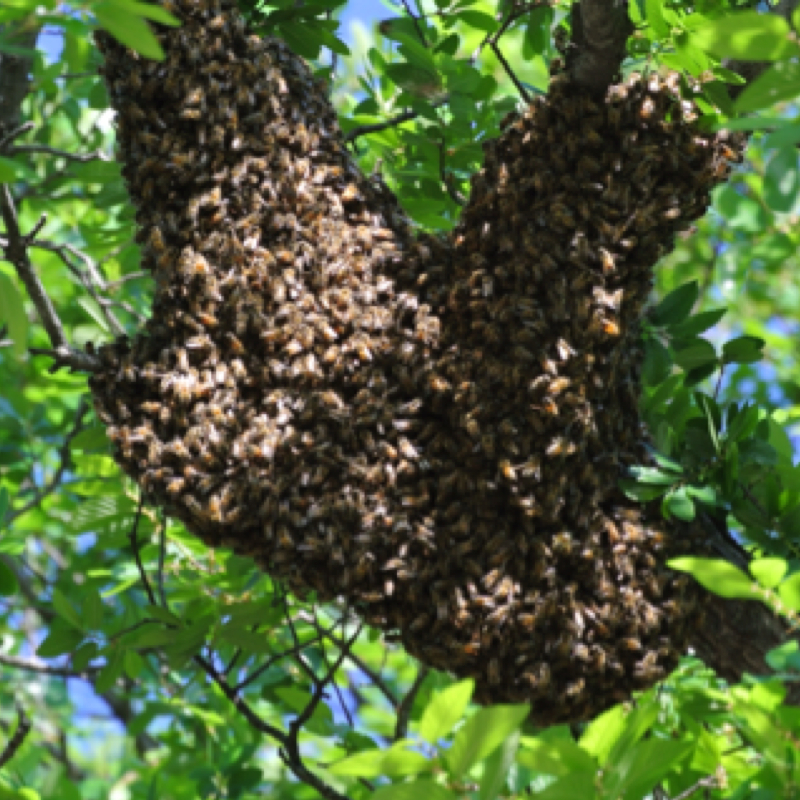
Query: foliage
(111,669)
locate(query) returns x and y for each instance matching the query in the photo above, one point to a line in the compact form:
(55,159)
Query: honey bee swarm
(433,429)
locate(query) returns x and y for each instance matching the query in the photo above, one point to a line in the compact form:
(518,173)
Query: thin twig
(342,704)
(16,251)
(30,665)
(65,460)
(360,664)
(407,704)
(291,755)
(15,134)
(417,26)
(132,536)
(131,276)
(704,783)
(399,119)
(507,67)
(97,155)
(162,553)
(90,278)
(16,741)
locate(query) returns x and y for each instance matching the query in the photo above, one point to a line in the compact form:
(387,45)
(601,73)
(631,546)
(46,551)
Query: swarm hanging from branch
(432,429)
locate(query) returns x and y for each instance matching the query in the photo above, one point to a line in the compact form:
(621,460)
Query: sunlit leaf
(719,577)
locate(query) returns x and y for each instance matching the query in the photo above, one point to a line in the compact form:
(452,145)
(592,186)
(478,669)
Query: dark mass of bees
(431,429)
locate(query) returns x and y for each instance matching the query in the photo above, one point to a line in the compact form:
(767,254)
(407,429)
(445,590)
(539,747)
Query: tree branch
(600,31)
(16,251)
(97,155)
(407,704)
(17,740)
(30,665)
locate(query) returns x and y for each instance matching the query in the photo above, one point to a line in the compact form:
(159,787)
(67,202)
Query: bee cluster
(431,429)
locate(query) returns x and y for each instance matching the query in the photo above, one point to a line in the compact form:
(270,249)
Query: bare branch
(600,31)
(34,665)
(90,278)
(16,251)
(703,783)
(510,72)
(133,538)
(16,741)
(97,155)
(399,119)
(407,704)
(15,133)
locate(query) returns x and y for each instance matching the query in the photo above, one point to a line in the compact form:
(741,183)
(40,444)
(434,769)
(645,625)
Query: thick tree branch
(735,635)
(600,31)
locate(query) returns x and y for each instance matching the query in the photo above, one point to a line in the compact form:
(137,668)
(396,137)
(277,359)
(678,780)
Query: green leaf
(705,494)
(130,29)
(570,787)
(652,475)
(679,504)
(92,608)
(740,212)
(398,762)
(497,766)
(777,84)
(785,657)
(8,580)
(782,181)
(4,503)
(444,710)
(641,767)
(12,310)
(83,656)
(148,11)
(148,636)
(478,19)
(112,671)
(743,350)
(481,734)
(743,424)
(768,571)
(418,81)
(65,609)
(555,757)
(58,642)
(416,790)
(637,723)
(696,324)
(602,733)
(694,353)
(641,492)
(789,591)
(657,362)
(746,35)
(758,452)
(676,306)
(719,577)
(12,170)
